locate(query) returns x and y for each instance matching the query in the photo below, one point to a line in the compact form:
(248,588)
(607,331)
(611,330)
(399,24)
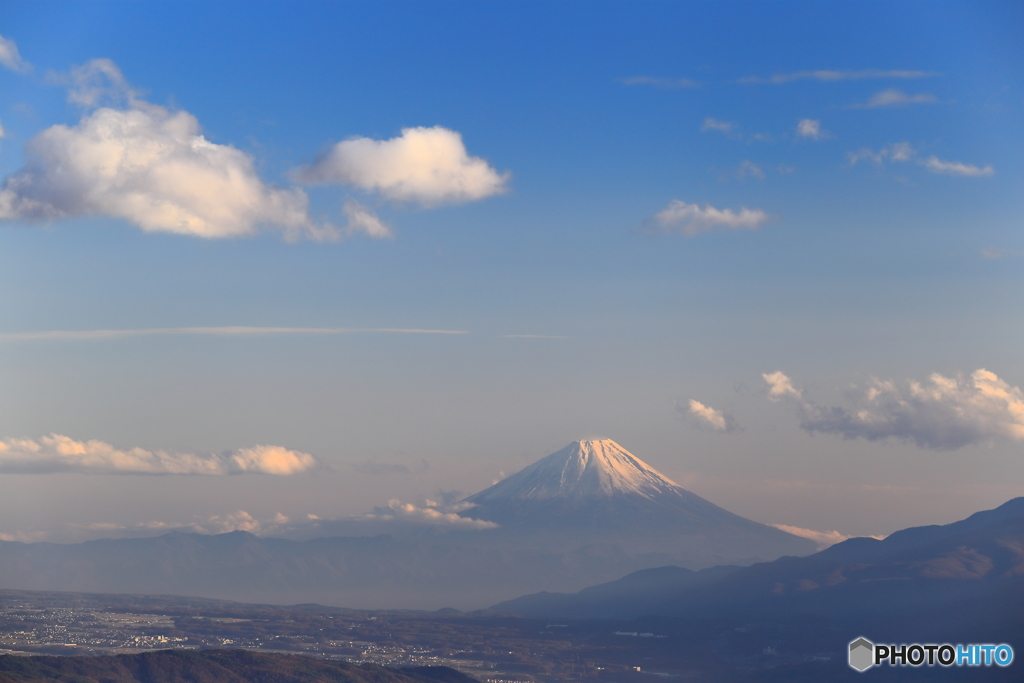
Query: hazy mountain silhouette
(584,515)
(919,571)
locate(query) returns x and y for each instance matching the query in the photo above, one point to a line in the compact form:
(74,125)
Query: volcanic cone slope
(598,491)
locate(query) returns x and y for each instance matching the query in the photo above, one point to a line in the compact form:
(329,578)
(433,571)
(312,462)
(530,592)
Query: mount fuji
(597,492)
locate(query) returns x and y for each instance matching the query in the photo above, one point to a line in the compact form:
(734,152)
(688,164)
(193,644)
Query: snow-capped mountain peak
(583,469)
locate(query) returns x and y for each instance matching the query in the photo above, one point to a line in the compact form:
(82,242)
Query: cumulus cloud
(830,75)
(58,453)
(894,98)
(936,165)
(944,413)
(715,124)
(660,83)
(10,58)
(690,219)
(153,168)
(810,128)
(425,166)
(706,417)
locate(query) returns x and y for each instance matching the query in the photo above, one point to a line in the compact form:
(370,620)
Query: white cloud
(898,151)
(58,453)
(430,513)
(100,81)
(660,83)
(706,417)
(427,166)
(361,219)
(691,219)
(10,58)
(902,151)
(894,98)
(714,124)
(945,413)
(236,331)
(239,520)
(936,165)
(810,128)
(780,386)
(824,539)
(828,75)
(151,167)
(3,133)
(749,168)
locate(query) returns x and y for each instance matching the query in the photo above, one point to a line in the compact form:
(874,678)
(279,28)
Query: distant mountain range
(584,515)
(968,576)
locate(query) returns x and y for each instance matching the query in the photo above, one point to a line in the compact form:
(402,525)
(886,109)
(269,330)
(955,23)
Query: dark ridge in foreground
(212,666)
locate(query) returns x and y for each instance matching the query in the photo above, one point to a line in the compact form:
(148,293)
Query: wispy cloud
(150,167)
(59,453)
(533,336)
(425,166)
(899,151)
(706,417)
(748,169)
(894,98)
(690,219)
(832,76)
(87,335)
(10,58)
(810,129)
(936,165)
(824,539)
(902,152)
(715,124)
(660,83)
(944,413)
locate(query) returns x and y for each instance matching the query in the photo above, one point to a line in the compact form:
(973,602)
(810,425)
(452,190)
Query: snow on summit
(583,469)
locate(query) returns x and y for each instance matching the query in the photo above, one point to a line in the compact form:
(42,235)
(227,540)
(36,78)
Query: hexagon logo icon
(862,654)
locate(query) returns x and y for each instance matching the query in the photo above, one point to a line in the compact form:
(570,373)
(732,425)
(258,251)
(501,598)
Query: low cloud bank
(57,453)
(430,512)
(824,539)
(943,413)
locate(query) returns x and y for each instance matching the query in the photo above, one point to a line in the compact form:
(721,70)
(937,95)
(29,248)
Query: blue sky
(619,208)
